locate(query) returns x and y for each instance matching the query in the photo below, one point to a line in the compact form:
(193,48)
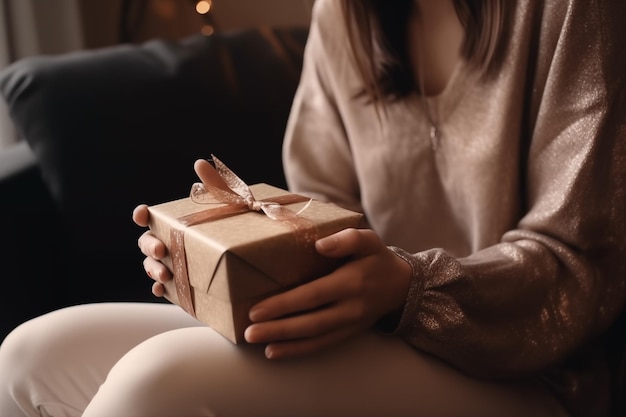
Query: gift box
(225,256)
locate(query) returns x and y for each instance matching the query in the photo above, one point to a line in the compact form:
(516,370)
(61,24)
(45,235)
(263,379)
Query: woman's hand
(153,248)
(373,283)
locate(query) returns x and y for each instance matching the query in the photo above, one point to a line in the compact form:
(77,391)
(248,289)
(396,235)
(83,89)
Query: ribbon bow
(239,194)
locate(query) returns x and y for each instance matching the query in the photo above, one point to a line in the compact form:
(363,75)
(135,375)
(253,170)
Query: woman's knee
(52,347)
(23,362)
(24,350)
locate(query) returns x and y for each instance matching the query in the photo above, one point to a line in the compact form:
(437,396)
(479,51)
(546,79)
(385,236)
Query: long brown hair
(381,26)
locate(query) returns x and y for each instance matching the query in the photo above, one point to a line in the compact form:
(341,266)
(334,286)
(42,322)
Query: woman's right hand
(154,250)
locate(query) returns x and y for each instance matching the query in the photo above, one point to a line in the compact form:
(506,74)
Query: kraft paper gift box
(236,261)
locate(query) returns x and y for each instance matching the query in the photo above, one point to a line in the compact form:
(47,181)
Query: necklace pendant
(434,136)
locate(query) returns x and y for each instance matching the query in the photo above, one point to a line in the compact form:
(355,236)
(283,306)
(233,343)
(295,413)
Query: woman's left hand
(373,283)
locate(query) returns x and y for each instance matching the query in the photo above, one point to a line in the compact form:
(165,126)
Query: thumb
(141,215)
(349,242)
(209,175)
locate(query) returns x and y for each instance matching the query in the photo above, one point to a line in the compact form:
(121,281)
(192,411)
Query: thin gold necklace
(434,131)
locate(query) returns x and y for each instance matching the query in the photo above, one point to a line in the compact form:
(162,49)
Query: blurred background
(114,100)
(35,27)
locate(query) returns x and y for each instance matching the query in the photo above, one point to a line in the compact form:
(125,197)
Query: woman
(485,143)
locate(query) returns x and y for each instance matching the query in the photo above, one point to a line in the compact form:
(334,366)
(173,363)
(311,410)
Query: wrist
(396,321)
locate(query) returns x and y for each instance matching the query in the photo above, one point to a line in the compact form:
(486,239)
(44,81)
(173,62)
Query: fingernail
(256,313)
(248,335)
(326,244)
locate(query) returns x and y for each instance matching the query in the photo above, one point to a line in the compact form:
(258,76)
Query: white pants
(151,360)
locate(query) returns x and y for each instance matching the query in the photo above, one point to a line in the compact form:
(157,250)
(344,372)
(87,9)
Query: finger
(141,215)
(158,289)
(151,246)
(309,296)
(307,325)
(303,347)
(349,242)
(156,270)
(209,175)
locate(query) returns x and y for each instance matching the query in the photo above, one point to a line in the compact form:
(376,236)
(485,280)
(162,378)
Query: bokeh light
(203,6)
(207,30)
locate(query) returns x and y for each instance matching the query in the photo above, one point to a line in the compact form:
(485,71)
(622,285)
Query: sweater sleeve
(316,152)
(557,280)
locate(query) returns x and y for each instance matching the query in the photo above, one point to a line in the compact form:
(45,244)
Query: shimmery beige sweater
(516,220)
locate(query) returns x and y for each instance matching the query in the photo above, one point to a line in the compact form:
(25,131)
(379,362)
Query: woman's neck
(435,39)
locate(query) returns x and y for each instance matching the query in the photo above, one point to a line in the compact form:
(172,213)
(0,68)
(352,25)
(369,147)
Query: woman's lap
(57,361)
(162,362)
